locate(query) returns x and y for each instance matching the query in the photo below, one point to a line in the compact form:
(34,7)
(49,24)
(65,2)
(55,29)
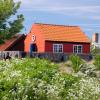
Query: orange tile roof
(62,33)
(10,42)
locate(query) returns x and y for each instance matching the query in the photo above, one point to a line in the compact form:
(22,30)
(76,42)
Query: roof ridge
(56,25)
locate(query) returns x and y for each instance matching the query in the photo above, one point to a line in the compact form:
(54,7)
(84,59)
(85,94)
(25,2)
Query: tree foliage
(9,27)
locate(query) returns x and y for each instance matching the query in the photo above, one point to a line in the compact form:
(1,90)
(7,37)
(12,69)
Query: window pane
(58,48)
(77,49)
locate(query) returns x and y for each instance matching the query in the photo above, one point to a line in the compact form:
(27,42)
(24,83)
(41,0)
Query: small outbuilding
(51,38)
(14,44)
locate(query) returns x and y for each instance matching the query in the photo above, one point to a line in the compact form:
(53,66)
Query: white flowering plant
(32,79)
(39,79)
(86,89)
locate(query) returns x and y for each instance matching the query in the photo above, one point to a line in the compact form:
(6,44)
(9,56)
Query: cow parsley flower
(15,74)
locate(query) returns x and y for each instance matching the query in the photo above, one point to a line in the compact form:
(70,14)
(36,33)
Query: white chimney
(96,39)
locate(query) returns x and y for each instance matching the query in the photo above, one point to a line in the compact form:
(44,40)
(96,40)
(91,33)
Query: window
(33,38)
(77,49)
(57,48)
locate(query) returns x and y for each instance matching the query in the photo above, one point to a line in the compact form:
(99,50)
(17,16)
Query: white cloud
(78,8)
(96,17)
(75,8)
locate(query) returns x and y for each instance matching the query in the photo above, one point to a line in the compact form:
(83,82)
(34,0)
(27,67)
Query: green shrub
(33,79)
(86,89)
(76,62)
(95,51)
(97,61)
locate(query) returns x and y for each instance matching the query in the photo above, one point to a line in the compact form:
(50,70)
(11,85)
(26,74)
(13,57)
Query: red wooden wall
(67,47)
(18,45)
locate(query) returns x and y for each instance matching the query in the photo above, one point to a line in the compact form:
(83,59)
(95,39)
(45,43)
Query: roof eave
(68,41)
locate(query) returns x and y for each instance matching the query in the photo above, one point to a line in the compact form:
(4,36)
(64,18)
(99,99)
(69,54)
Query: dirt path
(65,67)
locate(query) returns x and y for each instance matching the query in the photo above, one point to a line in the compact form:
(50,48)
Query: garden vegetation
(97,61)
(76,62)
(36,79)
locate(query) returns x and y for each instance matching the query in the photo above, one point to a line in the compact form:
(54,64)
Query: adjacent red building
(57,39)
(14,44)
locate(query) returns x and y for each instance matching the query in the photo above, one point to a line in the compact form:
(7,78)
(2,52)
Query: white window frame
(77,52)
(57,48)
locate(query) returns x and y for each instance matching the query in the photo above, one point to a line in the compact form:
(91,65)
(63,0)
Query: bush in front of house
(38,79)
(95,51)
(86,89)
(76,62)
(33,79)
(97,61)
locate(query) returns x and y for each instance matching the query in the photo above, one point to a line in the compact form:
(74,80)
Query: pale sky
(83,13)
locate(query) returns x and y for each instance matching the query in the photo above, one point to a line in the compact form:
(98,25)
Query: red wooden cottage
(14,44)
(57,39)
